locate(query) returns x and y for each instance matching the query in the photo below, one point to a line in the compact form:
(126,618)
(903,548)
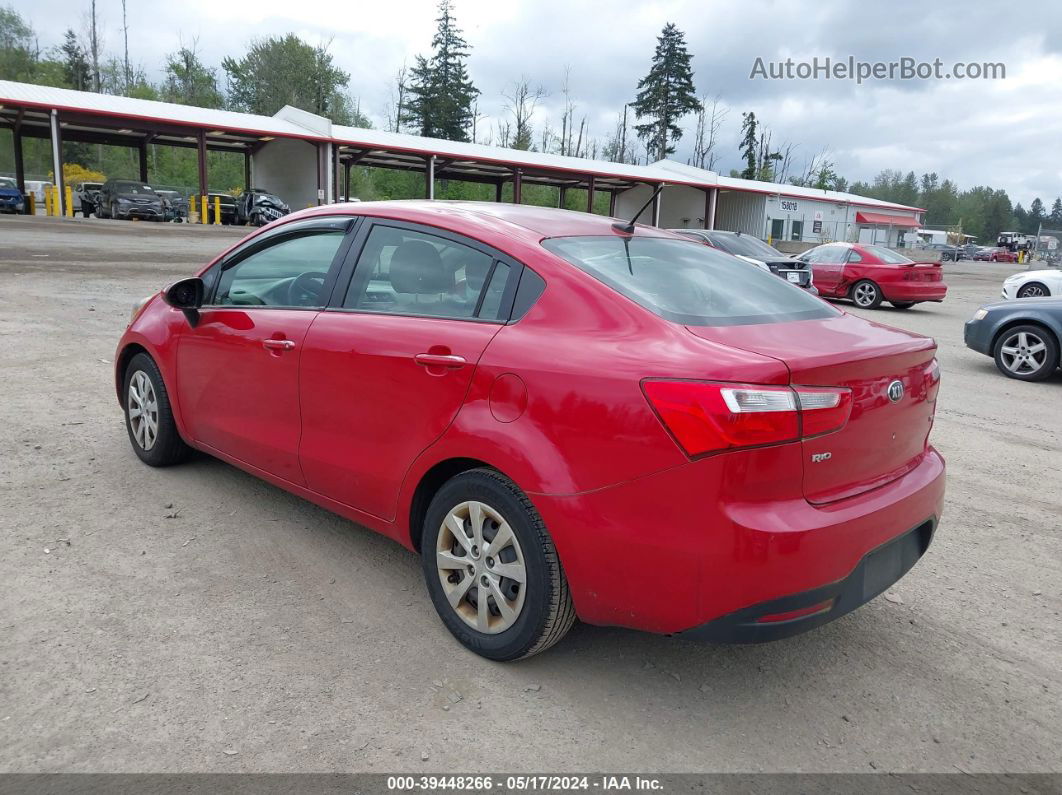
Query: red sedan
(564,417)
(869,275)
(995,255)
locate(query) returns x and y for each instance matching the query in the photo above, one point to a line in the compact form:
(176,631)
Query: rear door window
(693,285)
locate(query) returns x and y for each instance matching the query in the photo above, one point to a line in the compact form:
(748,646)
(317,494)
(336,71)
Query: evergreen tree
(18,58)
(76,69)
(440,92)
(666,94)
(189,82)
(1036,215)
(748,145)
(1055,218)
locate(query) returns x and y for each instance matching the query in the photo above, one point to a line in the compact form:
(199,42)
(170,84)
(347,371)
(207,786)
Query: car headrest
(416,267)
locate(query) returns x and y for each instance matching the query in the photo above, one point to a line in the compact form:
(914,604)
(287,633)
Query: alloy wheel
(143,410)
(865,294)
(481,567)
(1032,291)
(1023,353)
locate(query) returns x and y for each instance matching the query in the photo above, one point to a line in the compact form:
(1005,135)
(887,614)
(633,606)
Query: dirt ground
(197,619)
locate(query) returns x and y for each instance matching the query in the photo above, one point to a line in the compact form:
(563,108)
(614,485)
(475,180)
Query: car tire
(1034,290)
(903,304)
(1028,352)
(866,294)
(538,611)
(143,390)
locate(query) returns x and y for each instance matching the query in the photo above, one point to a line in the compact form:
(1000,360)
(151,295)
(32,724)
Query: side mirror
(186,295)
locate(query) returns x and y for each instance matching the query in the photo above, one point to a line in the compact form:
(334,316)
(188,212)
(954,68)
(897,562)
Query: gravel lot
(197,619)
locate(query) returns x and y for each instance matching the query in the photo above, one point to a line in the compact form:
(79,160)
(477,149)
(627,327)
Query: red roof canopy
(885,219)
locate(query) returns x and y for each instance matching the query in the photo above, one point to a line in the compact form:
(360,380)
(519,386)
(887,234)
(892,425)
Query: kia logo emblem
(895,391)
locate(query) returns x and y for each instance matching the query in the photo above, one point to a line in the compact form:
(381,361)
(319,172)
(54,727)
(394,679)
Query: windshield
(7,182)
(134,188)
(887,255)
(689,284)
(745,245)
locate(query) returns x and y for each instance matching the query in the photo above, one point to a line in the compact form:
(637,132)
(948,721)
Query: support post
(141,148)
(57,160)
(20,168)
(429,178)
(498,190)
(612,203)
(711,200)
(562,200)
(517,185)
(247,170)
(346,181)
(202,164)
(656,205)
(590,194)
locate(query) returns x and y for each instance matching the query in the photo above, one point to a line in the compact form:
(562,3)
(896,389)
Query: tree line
(436,97)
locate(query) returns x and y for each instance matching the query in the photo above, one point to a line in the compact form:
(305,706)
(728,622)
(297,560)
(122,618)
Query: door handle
(439,360)
(278,345)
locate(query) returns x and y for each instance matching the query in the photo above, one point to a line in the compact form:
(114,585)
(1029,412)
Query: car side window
(288,273)
(831,255)
(407,272)
(854,256)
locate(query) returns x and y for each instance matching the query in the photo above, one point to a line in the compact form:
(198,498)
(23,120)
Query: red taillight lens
(708,417)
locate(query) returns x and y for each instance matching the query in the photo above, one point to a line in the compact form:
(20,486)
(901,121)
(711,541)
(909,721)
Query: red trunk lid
(884,437)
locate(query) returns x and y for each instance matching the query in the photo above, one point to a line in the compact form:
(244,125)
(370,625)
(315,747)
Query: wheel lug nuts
(484,580)
(490,562)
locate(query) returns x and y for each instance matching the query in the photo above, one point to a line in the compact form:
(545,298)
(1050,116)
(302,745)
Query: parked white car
(1033,284)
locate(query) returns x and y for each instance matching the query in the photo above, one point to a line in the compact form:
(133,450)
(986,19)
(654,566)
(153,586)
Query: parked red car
(869,275)
(995,255)
(563,417)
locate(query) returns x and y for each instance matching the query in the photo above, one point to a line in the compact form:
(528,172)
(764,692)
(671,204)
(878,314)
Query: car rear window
(689,283)
(888,255)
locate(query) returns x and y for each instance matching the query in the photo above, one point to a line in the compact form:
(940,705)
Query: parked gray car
(1022,336)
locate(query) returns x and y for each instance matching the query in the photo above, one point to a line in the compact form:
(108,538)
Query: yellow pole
(48,200)
(217,210)
(203,206)
(69,202)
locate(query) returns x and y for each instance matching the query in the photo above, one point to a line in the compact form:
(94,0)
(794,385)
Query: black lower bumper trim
(876,571)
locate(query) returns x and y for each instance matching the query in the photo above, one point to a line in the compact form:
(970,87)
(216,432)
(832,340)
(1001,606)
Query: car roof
(521,220)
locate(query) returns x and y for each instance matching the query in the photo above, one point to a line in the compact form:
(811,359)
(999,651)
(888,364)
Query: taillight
(707,417)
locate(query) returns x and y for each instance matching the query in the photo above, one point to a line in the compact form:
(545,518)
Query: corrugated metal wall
(741,212)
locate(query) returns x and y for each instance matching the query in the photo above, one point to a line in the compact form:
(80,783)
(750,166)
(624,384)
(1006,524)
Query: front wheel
(148,415)
(866,294)
(1028,353)
(1033,290)
(492,570)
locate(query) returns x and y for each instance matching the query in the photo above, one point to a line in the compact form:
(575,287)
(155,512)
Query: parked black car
(1022,336)
(258,207)
(126,199)
(87,197)
(753,250)
(228,207)
(948,252)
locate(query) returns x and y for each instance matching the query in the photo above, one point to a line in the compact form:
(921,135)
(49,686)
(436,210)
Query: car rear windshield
(746,246)
(887,255)
(688,283)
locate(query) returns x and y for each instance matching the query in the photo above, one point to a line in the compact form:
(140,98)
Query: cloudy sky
(1004,133)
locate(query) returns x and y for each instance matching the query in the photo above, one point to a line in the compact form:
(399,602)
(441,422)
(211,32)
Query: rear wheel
(148,416)
(1033,290)
(903,304)
(1028,353)
(866,294)
(492,570)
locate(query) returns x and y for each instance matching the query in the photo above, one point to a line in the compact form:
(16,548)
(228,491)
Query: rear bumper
(708,540)
(914,291)
(796,613)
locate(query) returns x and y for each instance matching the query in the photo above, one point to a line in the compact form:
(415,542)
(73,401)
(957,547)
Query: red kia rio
(564,415)
(869,275)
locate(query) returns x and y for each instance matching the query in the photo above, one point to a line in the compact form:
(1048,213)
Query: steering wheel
(305,289)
